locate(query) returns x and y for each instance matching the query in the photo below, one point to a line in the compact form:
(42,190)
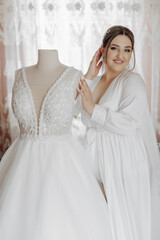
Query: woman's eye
(127,50)
(113,48)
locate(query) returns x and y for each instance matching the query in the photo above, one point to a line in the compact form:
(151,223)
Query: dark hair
(114,31)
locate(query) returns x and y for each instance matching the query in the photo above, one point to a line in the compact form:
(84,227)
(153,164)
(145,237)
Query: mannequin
(43,75)
(46,176)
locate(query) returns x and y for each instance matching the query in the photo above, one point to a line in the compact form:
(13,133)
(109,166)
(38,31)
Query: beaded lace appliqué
(56,112)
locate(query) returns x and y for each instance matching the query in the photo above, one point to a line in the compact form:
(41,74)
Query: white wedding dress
(47,189)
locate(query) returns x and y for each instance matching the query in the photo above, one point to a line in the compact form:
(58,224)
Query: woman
(120,136)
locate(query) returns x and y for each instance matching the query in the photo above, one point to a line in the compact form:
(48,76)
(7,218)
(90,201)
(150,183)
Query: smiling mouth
(118,61)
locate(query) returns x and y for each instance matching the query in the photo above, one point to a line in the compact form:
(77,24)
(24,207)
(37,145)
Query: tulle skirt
(49,192)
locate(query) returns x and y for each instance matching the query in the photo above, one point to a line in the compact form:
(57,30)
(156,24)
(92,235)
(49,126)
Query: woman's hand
(86,95)
(93,69)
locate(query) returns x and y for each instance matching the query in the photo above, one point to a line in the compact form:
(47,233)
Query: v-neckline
(118,77)
(97,81)
(38,118)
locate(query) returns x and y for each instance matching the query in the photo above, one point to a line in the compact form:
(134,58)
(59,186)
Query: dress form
(43,75)
(47,188)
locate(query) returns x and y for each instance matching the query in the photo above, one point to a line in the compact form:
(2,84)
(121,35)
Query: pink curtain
(5,137)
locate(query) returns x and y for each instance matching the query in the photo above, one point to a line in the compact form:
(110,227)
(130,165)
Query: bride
(121,138)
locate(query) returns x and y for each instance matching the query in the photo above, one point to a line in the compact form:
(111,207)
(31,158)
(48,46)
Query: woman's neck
(109,75)
(47,59)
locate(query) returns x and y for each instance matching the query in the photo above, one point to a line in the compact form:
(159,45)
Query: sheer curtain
(75,28)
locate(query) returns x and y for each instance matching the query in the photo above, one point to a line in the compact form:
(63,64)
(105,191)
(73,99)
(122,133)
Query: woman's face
(119,54)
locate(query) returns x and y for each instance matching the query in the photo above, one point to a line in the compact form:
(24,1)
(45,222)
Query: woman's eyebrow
(119,46)
(115,45)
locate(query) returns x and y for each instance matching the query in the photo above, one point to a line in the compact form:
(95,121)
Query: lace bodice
(57,108)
